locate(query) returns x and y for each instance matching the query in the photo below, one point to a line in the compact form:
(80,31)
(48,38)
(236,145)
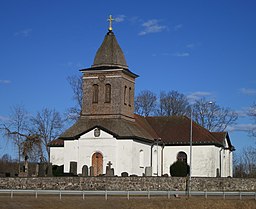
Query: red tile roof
(56,143)
(221,136)
(172,130)
(176,130)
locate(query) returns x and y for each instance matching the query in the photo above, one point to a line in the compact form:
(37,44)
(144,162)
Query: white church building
(108,131)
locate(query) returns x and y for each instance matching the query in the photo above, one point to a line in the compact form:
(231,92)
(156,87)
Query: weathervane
(110,19)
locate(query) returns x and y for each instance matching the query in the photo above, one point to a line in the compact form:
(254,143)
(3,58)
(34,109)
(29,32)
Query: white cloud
(5,81)
(71,64)
(23,33)
(181,54)
(166,54)
(198,95)
(3,118)
(242,127)
(120,18)
(191,45)
(249,92)
(152,26)
(242,113)
(135,20)
(178,27)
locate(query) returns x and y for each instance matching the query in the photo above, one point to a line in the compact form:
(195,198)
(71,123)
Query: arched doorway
(97,163)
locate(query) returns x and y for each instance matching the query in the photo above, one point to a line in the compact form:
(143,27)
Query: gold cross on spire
(110,19)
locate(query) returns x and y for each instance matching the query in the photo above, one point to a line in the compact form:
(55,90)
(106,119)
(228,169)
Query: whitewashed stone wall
(125,156)
(57,155)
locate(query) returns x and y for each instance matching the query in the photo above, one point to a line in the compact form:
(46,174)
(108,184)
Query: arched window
(141,159)
(155,162)
(107,93)
(125,92)
(95,96)
(182,156)
(130,96)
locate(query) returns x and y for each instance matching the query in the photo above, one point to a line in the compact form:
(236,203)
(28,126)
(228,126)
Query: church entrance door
(97,163)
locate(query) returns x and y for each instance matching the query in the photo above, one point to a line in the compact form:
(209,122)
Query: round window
(96,132)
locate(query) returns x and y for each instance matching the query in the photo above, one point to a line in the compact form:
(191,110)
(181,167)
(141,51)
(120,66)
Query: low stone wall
(129,183)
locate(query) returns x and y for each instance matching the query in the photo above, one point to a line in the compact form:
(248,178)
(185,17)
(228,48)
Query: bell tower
(108,85)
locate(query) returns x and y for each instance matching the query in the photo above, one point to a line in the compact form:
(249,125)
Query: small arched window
(107,93)
(95,96)
(125,92)
(141,159)
(182,156)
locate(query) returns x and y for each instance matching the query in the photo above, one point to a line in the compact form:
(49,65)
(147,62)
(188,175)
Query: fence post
(240,195)
(224,195)
(168,194)
(11,193)
(60,194)
(83,194)
(148,194)
(205,194)
(106,195)
(128,195)
(36,194)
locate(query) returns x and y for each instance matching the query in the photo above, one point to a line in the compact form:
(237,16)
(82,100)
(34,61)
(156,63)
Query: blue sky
(199,48)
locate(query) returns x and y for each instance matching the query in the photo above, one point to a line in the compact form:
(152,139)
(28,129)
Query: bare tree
(47,124)
(245,163)
(213,117)
(173,103)
(76,83)
(252,114)
(6,158)
(32,147)
(16,128)
(145,103)
(32,134)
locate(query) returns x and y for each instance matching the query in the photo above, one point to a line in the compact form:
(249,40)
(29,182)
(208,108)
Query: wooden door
(97,163)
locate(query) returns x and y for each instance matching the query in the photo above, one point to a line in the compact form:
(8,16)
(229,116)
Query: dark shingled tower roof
(110,54)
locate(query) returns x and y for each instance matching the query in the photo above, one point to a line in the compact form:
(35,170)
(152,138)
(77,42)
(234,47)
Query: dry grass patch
(69,202)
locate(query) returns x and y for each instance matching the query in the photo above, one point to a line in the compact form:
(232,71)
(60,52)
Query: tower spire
(110,19)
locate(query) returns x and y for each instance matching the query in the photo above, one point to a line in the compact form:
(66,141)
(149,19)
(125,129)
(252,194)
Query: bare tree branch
(32,134)
(16,128)
(28,145)
(145,103)
(76,83)
(245,163)
(48,125)
(173,103)
(212,116)
(252,114)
